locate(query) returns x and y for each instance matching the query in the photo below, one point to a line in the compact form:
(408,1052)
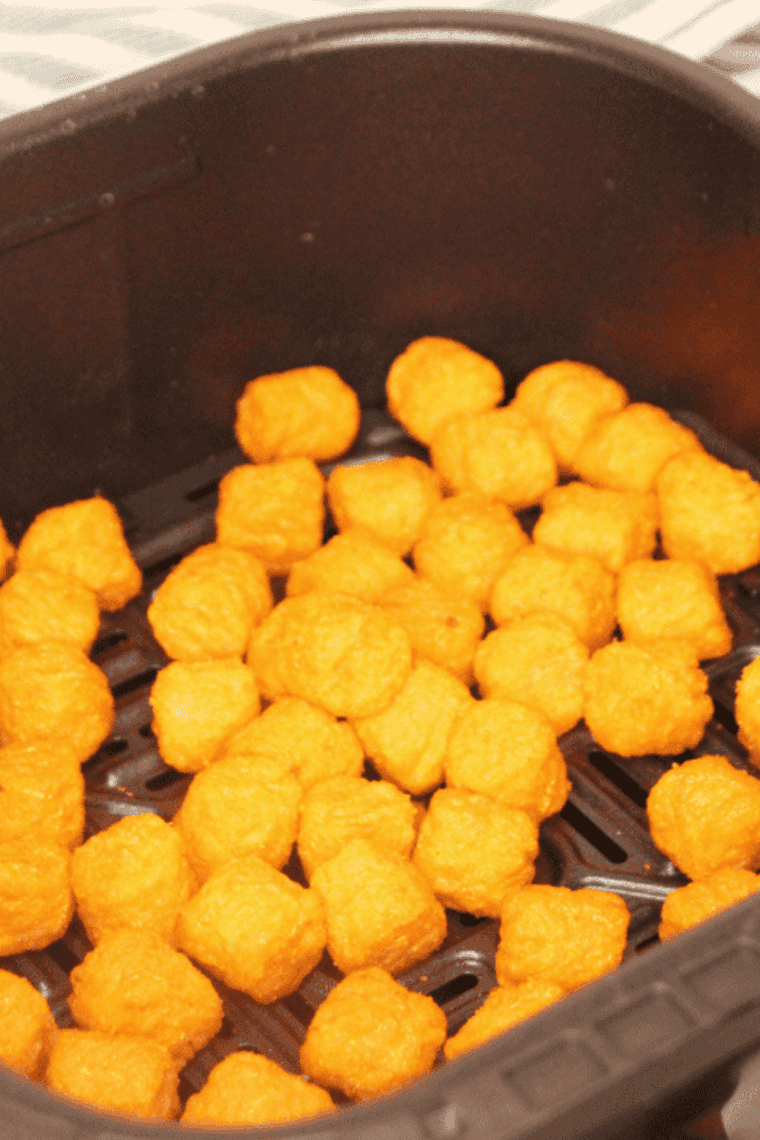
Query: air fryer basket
(324,193)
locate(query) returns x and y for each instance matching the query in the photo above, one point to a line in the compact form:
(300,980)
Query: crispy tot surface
(407,741)
(380,909)
(627,450)
(51,690)
(444,628)
(646,696)
(613,526)
(246,1088)
(333,650)
(747,709)
(508,751)
(498,453)
(710,512)
(673,598)
(388,499)
(704,815)
(274,510)
(337,811)
(561,936)
(84,539)
(198,706)
(474,850)
(539,661)
(133,1075)
(45,605)
(36,903)
(209,603)
(254,928)
(308,741)
(41,792)
(436,379)
(307,412)
(239,805)
(686,906)
(134,983)
(27,1027)
(136,874)
(465,544)
(7,552)
(566,399)
(576,586)
(352,563)
(505,1006)
(371,1035)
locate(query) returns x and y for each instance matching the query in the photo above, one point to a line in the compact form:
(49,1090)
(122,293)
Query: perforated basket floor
(600,839)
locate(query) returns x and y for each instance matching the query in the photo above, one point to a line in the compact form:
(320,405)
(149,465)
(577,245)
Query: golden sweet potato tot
(371,1035)
(302,412)
(86,540)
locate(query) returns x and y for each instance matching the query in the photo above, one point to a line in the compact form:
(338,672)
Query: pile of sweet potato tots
(378,651)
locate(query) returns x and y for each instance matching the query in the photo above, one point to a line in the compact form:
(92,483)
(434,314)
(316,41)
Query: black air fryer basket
(324,193)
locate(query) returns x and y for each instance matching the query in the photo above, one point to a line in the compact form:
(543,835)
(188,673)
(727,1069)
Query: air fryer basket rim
(454,1099)
(698,84)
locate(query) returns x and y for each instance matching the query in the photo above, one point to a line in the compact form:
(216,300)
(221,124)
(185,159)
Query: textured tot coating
(36,903)
(613,526)
(198,706)
(539,661)
(508,751)
(689,905)
(371,1035)
(646,697)
(41,792)
(504,1007)
(131,1075)
(747,709)
(710,512)
(84,539)
(51,690)
(566,399)
(7,552)
(705,815)
(576,586)
(135,873)
(407,741)
(307,741)
(275,510)
(673,598)
(444,628)
(209,604)
(561,936)
(248,1089)
(380,910)
(337,811)
(389,499)
(333,650)
(350,563)
(305,411)
(27,1027)
(626,451)
(134,983)
(45,605)
(254,928)
(498,453)
(473,850)
(239,805)
(465,544)
(436,379)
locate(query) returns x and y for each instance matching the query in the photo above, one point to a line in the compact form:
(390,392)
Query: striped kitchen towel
(52,48)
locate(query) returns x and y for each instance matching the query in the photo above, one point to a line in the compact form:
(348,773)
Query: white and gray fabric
(53,48)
